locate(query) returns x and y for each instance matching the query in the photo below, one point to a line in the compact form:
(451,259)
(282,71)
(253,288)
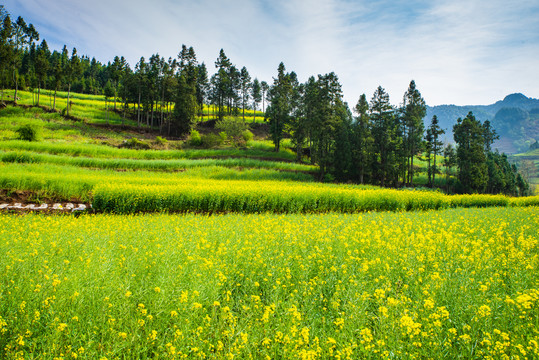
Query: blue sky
(458,51)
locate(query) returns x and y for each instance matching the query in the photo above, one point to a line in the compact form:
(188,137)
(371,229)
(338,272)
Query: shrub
(29,132)
(223,136)
(211,140)
(247,135)
(195,139)
(160,141)
(135,143)
(234,129)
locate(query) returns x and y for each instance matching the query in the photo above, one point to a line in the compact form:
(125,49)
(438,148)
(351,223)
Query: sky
(459,52)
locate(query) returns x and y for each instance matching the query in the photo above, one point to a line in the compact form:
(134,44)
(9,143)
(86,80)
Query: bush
(160,141)
(247,135)
(233,128)
(195,139)
(29,132)
(223,136)
(211,140)
(135,143)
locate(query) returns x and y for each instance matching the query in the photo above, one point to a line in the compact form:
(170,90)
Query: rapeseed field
(455,283)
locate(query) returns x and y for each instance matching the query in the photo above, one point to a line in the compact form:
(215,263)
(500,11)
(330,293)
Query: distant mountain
(515,118)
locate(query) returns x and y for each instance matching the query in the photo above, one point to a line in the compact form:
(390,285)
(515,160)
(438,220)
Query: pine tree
(414,110)
(279,110)
(256,94)
(42,66)
(363,141)
(245,83)
(471,158)
(186,102)
(434,146)
(384,133)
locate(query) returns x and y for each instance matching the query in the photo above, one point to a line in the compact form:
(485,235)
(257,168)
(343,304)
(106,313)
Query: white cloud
(462,51)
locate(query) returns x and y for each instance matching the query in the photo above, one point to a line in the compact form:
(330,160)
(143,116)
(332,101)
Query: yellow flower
(484,311)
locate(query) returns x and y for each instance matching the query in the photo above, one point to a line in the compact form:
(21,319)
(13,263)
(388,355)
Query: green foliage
(135,143)
(223,136)
(233,129)
(29,132)
(279,111)
(195,138)
(211,140)
(413,111)
(471,158)
(247,135)
(18,157)
(160,141)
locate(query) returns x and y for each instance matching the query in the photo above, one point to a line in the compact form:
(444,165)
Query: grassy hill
(80,158)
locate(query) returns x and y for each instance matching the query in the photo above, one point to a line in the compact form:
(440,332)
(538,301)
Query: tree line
(376,143)
(159,93)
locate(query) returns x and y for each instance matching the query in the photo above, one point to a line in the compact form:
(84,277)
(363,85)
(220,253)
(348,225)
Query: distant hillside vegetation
(515,118)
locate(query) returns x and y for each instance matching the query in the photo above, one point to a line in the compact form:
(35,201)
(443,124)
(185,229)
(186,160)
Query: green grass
(439,284)
(103,151)
(150,165)
(92,108)
(66,182)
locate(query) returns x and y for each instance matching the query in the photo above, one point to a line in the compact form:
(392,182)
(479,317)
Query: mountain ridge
(515,118)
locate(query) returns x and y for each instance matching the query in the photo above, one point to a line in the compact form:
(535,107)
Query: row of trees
(377,144)
(149,92)
(482,170)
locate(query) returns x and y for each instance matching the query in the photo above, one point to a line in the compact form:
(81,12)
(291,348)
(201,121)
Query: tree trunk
(54,103)
(138,110)
(38,92)
(434,170)
(152,124)
(68,93)
(16,79)
(412,169)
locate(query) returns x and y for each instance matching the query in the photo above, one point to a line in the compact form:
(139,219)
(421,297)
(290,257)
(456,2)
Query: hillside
(515,118)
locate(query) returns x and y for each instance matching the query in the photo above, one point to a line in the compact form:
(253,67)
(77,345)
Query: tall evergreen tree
(414,110)
(279,111)
(245,83)
(471,159)
(434,147)
(41,66)
(363,140)
(202,87)
(265,88)
(384,133)
(328,115)
(449,161)
(256,95)
(185,107)
(72,70)
(221,82)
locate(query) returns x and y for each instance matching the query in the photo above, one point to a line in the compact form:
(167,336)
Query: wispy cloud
(458,51)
